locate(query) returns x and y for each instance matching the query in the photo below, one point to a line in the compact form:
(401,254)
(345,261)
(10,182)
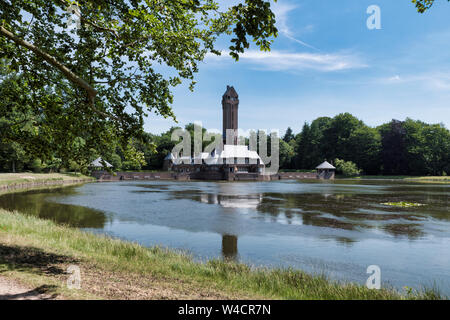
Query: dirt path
(11,290)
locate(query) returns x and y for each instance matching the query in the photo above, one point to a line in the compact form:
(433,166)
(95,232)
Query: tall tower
(230,103)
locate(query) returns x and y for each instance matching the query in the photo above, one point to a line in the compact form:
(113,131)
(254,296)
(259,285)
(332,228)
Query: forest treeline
(409,147)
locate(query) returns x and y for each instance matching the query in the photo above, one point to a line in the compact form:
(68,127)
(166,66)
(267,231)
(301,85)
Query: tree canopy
(122,60)
(423,5)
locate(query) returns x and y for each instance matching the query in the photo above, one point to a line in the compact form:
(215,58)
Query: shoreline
(19,182)
(37,252)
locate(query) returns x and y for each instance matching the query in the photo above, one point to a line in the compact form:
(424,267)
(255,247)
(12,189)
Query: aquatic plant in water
(403,204)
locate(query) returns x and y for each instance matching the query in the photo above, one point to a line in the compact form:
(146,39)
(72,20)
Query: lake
(337,228)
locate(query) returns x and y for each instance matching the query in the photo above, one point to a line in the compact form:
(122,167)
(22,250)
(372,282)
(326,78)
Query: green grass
(424,179)
(126,258)
(435,178)
(11,179)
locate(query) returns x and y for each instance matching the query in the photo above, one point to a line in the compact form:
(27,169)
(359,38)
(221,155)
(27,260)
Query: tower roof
(231,92)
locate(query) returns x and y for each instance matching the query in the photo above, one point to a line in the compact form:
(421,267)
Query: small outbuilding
(326,171)
(99,164)
(168,162)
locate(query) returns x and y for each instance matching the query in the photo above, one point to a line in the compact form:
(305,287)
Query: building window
(247,160)
(235,160)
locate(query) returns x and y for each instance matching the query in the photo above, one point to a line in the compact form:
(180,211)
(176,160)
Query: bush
(54,165)
(37,166)
(74,166)
(116,162)
(346,168)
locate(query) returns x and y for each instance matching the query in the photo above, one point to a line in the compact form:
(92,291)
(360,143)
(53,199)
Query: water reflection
(347,208)
(343,227)
(229,247)
(37,203)
(237,202)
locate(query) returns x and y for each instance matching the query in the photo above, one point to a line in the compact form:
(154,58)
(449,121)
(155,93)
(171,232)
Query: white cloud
(281,11)
(432,80)
(286,61)
(395,78)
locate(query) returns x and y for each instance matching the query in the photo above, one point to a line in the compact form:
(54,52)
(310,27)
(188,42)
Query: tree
(286,155)
(310,148)
(366,145)
(423,5)
(336,137)
(393,154)
(12,157)
(289,135)
(437,149)
(415,147)
(106,72)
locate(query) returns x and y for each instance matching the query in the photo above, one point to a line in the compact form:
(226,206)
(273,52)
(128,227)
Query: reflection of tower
(230,103)
(229,247)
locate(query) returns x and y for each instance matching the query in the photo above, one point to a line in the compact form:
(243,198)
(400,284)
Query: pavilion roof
(325,165)
(97,163)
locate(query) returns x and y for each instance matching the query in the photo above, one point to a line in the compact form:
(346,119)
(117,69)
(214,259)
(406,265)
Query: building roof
(229,152)
(238,151)
(97,163)
(231,92)
(325,165)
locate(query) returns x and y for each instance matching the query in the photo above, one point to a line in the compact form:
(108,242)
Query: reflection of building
(232,201)
(231,162)
(229,247)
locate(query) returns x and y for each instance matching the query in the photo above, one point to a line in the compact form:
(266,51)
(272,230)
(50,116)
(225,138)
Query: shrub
(346,168)
(37,166)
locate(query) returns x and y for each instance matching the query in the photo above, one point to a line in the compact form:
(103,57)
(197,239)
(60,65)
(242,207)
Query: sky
(326,61)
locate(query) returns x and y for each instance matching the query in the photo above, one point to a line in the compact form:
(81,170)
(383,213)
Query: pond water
(338,228)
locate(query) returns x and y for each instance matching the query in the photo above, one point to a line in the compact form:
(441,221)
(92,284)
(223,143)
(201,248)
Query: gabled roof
(98,163)
(325,165)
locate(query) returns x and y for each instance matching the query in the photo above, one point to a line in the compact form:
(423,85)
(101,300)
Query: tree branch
(52,61)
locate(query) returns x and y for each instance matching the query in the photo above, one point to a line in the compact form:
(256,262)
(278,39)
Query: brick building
(232,162)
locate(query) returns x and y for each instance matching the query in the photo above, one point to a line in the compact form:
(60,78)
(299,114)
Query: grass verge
(38,252)
(13,181)
(425,179)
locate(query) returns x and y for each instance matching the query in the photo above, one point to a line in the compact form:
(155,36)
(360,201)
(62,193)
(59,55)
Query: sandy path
(11,290)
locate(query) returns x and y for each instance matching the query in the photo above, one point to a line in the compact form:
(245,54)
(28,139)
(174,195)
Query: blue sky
(326,61)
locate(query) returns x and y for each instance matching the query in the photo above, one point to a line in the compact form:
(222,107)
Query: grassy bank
(38,252)
(13,181)
(425,179)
